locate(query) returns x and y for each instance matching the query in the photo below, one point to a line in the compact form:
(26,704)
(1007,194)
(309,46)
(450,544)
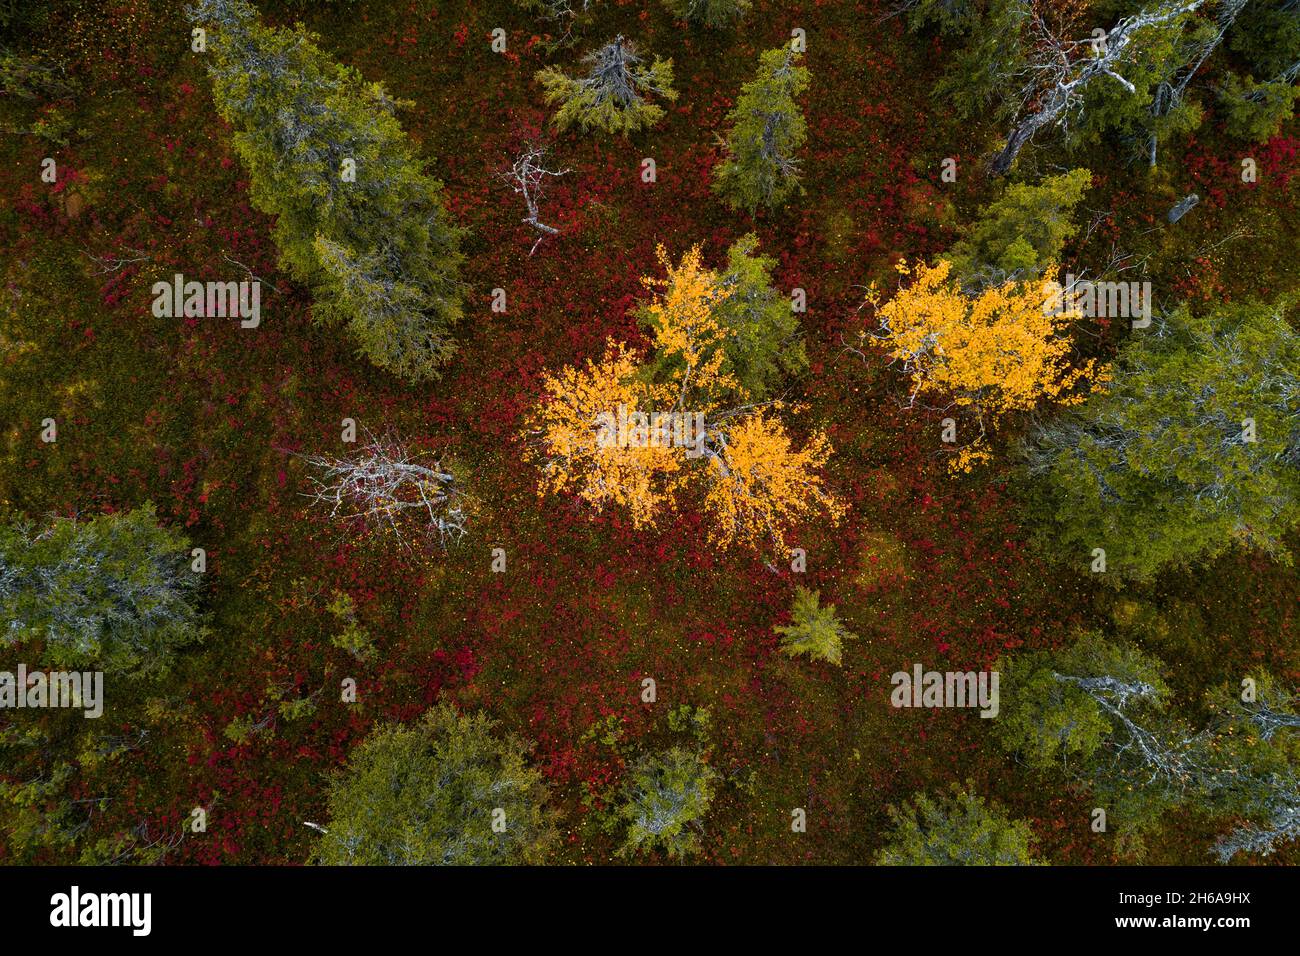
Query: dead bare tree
(251,275)
(109,263)
(564,14)
(1169,93)
(527,177)
(1059,71)
(386,484)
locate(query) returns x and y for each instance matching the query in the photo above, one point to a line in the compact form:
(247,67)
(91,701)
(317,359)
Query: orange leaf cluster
(1000,351)
(752,481)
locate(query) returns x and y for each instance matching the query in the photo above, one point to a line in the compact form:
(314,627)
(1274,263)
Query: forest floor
(206,419)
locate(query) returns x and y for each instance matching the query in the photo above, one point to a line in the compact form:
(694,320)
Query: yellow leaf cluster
(640,479)
(684,323)
(753,481)
(759,484)
(1002,350)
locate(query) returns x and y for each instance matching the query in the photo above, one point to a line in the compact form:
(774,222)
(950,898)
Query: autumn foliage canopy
(1000,351)
(641,435)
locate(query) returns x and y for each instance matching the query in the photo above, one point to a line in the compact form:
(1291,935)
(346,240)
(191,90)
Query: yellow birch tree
(754,482)
(1003,350)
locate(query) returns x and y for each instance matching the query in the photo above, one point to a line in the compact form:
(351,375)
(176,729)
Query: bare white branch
(385,484)
(527,177)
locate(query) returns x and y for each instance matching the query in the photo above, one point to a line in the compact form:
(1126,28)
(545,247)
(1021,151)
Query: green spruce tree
(665,799)
(1126,87)
(1020,233)
(115,593)
(447,791)
(814,630)
(1192,449)
(1101,711)
(614,95)
(767,130)
(710,13)
(356,215)
(985,42)
(1265,39)
(958,829)
(764,346)
(1258,724)
(1255,111)
(1266,36)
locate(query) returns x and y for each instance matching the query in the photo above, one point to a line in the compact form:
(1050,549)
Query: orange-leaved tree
(1005,349)
(636,431)
(574,441)
(758,482)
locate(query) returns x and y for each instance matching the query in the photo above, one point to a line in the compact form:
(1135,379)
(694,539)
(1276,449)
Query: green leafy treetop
(761,343)
(445,792)
(956,830)
(1259,722)
(764,347)
(1255,111)
(711,13)
(814,630)
(666,797)
(947,16)
(612,96)
(1264,706)
(1020,233)
(1129,87)
(989,45)
(1193,449)
(768,127)
(1061,706)
(1160,49)
(116,592)
(1266,39)
(356,216)
(1100,710)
